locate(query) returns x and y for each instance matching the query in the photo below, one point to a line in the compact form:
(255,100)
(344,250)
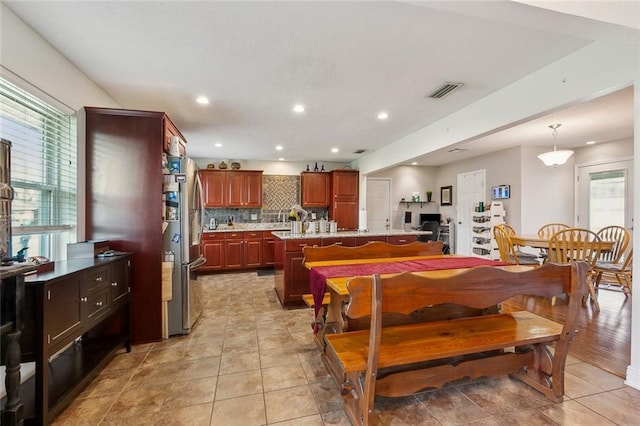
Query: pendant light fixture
(555,157)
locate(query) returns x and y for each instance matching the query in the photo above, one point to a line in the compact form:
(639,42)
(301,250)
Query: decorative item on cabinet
(235,166)
(222,165)
(211,166)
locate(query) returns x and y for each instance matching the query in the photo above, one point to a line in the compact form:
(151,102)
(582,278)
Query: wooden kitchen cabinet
(401,239)
(344,204)
(316,188)
(213,187)
(212,248)
(233,250)
(292,278)
(268,248)
(252,249)
(77,319)
(244,188)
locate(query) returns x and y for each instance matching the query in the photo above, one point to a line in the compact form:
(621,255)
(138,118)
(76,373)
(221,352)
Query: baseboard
(633,377)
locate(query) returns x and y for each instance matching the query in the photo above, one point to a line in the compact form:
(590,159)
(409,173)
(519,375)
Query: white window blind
(43,172)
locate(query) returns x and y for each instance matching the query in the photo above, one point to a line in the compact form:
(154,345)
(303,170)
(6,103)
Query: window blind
(43,172)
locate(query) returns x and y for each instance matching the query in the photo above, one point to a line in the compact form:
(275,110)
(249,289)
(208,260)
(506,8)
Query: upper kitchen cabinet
(213,187)
(344,192)
(244,188)
(316,189)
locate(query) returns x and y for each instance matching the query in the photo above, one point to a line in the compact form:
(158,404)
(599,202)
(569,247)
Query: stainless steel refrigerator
(182,236)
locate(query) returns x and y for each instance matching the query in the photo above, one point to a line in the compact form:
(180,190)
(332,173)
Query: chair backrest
(546,231)
(574,244)
(620,237)
(510,229)
(371,250)
(432,226)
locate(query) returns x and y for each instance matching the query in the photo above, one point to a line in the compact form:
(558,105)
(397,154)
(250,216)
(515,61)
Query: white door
(378,204)
(604,195)
(471,190)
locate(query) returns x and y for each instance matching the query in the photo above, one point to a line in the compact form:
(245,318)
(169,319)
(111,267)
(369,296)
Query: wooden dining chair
(620,274)
(508,252)
(546,232)
(611,259)
(577,244)
(511,231)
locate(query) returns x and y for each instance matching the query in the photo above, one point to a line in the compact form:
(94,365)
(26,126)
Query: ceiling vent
(359,151)
(444,90)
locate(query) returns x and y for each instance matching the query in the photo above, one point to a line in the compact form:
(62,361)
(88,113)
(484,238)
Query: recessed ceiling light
(335,150)
(299,108)
(281,159)
(218,145)
(279,147)
(415,163)
(202,100)
(591,142)
(383,115)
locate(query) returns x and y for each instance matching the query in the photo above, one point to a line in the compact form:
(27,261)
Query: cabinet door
(253,189)
(119,280)
(234,189)
(213,185)
(62,312)
(171,130)
(315,189)
(345,213)
(268,249)
(233,250)
(213,251)
(296,276)
(253,249)
(345,183)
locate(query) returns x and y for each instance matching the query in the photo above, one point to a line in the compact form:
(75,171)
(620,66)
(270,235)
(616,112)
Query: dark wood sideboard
(77,318)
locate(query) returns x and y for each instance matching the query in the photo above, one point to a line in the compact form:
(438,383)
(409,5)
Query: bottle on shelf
(315,168)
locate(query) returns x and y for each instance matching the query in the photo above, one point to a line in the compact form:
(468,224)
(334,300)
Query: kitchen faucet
(284,217)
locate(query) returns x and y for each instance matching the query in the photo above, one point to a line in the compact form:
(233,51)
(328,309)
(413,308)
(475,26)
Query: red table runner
(319,274)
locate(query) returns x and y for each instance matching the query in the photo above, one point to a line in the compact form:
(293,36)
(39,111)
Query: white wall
(502,168)
(404,181)
(604,152)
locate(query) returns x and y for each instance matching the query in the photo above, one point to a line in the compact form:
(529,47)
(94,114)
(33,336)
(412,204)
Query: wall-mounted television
(500,192)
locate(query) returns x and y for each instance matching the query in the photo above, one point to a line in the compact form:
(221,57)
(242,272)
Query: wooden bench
(371,250)
(395,361)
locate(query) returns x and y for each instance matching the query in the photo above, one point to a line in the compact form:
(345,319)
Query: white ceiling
(346,61)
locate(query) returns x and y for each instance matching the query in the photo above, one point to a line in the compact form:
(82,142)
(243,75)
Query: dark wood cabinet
(244,189)
(401,239)
(233,250)
(124,202)
(268,249)
(315,189)
(213,187)
(252,249)
(80,313)
(292,278)
(213,251)
(232,188)
(344,204)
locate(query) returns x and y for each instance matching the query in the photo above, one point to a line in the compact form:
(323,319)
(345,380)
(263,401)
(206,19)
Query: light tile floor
(248,362)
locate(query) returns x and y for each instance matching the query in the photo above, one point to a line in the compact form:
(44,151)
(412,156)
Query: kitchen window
(43,173)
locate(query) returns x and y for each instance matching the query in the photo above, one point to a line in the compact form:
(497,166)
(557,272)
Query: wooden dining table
(333,321)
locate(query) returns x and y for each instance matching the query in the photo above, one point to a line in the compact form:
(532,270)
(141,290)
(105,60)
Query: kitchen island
(292,278)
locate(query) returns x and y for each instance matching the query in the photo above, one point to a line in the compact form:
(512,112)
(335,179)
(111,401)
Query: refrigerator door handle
(198,195)
(198,263)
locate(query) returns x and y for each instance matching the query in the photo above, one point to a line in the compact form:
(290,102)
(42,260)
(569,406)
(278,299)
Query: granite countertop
(251,226)
(287,235)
